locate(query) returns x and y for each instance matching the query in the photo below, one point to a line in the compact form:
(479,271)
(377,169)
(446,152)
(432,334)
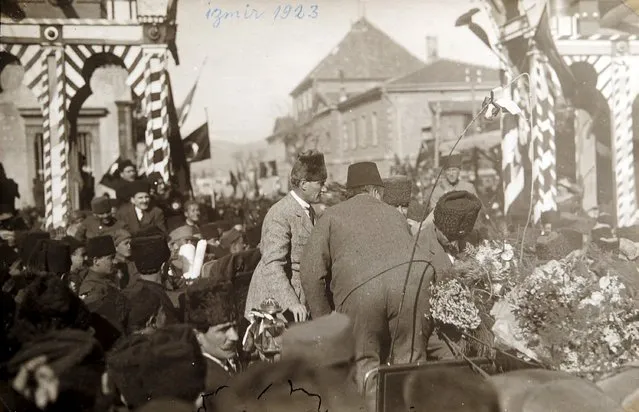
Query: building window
(374,137)
(354,134)
(362,131)
(39,155)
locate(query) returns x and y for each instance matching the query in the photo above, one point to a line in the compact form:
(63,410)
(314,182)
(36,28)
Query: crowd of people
(153,302)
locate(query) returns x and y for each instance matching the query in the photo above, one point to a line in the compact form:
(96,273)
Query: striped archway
(36,60)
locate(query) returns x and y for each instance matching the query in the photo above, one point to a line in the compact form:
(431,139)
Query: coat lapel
(300,213)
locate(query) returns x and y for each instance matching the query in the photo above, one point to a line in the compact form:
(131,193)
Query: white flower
(604,282)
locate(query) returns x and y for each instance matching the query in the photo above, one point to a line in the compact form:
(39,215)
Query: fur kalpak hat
(209,302)
(456,213)
(149,253)
(100,246)
(309,166)
(397,190)
(454,160)
(167,363)
(363,174)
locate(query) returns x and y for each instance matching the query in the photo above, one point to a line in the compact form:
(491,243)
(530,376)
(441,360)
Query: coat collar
(300,212)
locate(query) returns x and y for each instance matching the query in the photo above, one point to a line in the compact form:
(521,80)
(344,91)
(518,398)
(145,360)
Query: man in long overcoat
(286,228)
(356,262)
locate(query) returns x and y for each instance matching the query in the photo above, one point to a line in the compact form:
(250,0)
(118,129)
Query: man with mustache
(452,168)
(100,223)
(210,310)
(286,228)
(139,214)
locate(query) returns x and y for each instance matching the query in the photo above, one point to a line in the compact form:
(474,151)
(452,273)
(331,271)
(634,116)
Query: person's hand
(299,312)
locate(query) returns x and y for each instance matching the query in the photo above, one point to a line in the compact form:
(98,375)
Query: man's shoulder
(282,207)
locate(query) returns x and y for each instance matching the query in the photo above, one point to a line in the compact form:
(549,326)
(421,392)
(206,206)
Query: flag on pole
(180,170)
(546,44)
(188,101)
(197,145)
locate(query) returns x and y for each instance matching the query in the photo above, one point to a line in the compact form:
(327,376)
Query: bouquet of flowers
(452,304)
(265,331)
(576,320)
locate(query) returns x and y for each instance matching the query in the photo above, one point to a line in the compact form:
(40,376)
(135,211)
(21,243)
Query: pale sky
(253,65)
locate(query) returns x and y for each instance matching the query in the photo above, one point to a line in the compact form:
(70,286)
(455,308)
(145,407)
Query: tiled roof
(446,71)
(365,53)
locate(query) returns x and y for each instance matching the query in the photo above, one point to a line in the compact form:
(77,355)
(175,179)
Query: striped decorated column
(156,111)
(543,140)
(623,143)
(515,132)
(56,185)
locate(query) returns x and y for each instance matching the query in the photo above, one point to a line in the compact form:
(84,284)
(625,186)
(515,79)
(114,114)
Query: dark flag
(197,146)
(112,176)
(181,173)
(263,170)
(273,166)
(546,44)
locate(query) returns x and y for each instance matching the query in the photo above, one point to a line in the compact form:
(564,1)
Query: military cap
(149,253)
(184,232)
(455,213)
(325,341)
(397,190)
(100,246)
(101,205)
(120,235)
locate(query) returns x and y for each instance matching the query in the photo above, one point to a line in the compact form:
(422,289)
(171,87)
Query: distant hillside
(223,157)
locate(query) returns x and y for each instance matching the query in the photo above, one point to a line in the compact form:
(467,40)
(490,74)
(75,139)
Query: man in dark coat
(99,290)
(211,310)
(452,220)
(149,254)
(8,193)
(100,223)
(356,262)
(139,214)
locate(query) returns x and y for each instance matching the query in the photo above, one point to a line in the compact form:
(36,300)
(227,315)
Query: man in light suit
(286,228)
(356,262)
(139,214)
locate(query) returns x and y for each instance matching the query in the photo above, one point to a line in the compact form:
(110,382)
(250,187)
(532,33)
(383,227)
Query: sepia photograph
(319,205)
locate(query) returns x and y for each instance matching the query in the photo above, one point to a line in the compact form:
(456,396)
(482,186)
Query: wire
(485,106)
(419,229)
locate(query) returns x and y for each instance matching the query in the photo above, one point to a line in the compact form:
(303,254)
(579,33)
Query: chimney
(432,53)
